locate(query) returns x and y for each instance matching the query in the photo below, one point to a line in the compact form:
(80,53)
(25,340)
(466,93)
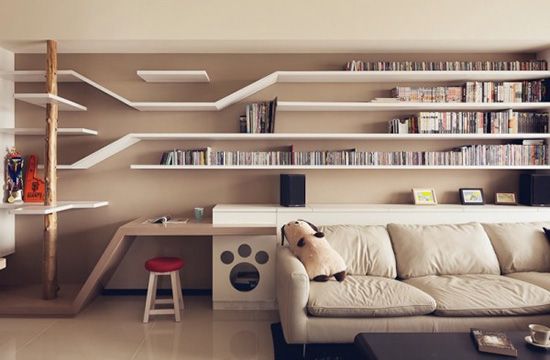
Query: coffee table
(448,346)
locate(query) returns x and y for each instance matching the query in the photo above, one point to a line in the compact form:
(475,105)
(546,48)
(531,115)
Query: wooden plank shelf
(41,99)
(174,76)
(41,131)
(334,167)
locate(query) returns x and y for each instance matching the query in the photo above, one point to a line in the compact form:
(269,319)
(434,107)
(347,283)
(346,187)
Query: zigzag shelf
(130,139)
(41,131)
(287,77)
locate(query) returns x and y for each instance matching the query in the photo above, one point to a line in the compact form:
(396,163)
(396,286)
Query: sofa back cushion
(520,246)
(460,249)
(366,249)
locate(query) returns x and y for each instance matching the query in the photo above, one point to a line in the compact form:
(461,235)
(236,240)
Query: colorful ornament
(34,186)
(13,176)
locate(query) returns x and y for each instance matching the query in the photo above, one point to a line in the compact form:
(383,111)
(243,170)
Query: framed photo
(424,196)
(472,196)
(505,199)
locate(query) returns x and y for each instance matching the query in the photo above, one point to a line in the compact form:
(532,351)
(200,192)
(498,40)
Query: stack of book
(529,152)
(428,94)
(507,91)
(259,118)
(528,65)
(500,122)
(186,157)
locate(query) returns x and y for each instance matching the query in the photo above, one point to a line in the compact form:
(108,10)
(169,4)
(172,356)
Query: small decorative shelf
(174,76)
(41,99)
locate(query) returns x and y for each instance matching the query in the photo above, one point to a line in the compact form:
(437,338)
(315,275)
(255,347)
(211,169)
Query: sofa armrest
(292,296)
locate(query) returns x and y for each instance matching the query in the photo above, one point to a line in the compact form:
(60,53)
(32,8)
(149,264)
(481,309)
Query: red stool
(168,266)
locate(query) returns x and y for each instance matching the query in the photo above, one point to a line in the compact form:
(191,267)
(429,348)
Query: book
(259,118)
(493,342)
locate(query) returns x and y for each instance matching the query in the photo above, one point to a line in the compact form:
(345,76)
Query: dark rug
(284,351)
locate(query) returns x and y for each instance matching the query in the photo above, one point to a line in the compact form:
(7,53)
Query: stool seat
(164,264)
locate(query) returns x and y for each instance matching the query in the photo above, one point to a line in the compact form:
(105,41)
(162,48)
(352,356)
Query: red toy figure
(34,186)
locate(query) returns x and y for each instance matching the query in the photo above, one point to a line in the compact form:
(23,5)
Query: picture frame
(424,196)
(502,198)
(471,196)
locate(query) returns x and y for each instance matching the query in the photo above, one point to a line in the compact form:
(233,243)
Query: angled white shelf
(130,139)
(293,77)
(174,76)
(41,209)
(41,99)
(41,131)
(333,167)
(404,106)
(174,106)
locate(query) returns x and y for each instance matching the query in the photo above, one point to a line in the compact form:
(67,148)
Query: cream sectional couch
(419,278)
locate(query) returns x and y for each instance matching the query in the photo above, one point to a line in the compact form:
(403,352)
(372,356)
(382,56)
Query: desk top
(140,227)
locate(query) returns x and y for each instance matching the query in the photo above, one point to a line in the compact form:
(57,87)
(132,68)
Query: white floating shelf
(175,106)
(38,76)
(41,131)
(174,76)
(40,209)
(41,99)
(331,136)
(333,167)
(404,106)
(406,76)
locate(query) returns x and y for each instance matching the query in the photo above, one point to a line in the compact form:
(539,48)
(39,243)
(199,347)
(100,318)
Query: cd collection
(529,65)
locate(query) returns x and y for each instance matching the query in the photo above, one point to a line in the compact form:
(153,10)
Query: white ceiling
(260,26)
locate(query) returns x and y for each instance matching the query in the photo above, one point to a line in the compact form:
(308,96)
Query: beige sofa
(419,278)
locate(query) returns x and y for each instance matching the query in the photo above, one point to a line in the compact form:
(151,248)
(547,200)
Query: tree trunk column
(49,263)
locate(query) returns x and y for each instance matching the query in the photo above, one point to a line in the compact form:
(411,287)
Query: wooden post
(49,262)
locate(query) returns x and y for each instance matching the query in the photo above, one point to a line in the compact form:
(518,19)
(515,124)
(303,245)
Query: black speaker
(534,189)
(293,190)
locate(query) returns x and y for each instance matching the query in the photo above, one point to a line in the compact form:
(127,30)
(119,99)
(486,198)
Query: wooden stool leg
(151,296)
(176,293)
(180,292)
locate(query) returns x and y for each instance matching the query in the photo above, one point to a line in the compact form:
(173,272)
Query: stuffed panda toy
(311,247)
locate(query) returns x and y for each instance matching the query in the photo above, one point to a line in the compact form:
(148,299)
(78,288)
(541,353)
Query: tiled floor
(111,328)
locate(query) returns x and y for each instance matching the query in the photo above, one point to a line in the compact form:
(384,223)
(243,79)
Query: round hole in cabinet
(244,277)
(227,257)
(244,250)
(262,257)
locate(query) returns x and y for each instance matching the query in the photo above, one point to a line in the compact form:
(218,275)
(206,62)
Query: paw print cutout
(244,276)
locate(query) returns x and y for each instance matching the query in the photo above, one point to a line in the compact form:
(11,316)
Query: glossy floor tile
(111,328)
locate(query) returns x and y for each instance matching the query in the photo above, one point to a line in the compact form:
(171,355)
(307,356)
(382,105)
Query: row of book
(525,65)
(476,91)
(529,152)
(469,122)
(259,118)
(507,91)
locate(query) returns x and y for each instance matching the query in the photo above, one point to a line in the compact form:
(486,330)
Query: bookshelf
(239,95)
(41,209)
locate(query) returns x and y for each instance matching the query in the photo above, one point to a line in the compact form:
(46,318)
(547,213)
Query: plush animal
(309,245)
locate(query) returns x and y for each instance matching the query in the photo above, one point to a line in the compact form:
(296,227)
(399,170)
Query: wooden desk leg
(104,269)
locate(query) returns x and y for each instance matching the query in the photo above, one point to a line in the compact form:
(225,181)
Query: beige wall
(251,25)
(134,193)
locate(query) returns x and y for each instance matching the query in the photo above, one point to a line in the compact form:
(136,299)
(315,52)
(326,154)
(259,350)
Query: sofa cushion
(367,296)
(422,250)
(366,250)
(483,295)
(536,278)
(520,247)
